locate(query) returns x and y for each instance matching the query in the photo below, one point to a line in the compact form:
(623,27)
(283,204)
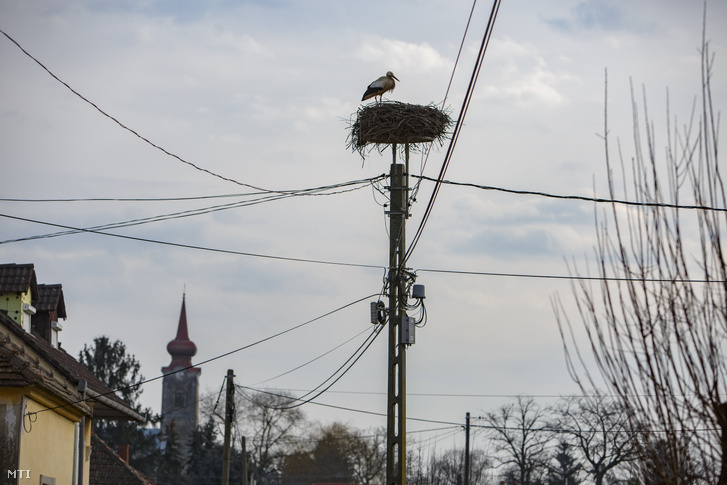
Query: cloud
(596,15)
(520,73)
(401,55)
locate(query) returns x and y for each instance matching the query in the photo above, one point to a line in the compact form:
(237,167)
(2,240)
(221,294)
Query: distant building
(180,386)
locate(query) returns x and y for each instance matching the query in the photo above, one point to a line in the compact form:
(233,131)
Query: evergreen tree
(171,462)
(565,471)
(205,455)
(119,370)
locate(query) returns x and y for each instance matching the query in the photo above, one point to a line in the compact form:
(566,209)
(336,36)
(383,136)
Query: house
(47,398)
(110,468)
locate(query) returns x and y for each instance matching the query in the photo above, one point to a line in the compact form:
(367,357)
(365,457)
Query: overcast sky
(262,93)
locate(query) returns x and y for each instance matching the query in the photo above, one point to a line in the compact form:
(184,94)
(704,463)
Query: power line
(312,360)
(350,362)
(204,210)
(457,128)
(217,357)
(190,246)
(567,277)
(196,167)
(573,197)
(343,408)
(357,265)
(313,191)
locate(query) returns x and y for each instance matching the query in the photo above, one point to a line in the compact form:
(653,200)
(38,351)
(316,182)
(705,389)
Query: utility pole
(467,450)
(243,444)
(396,412)
(229,410)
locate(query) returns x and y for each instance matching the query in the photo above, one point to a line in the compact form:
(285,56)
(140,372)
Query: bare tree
(268,423)
(521,438)
(656,323)
(448,468)
(368,456)
(600,431)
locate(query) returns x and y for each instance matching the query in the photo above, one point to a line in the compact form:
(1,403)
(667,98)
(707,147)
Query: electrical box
(408,330)
(417,291)
(377,312)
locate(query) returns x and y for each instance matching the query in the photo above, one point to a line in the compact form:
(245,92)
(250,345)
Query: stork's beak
(395,77)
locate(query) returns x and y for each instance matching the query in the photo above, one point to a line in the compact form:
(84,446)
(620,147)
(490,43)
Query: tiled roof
(107,468)
(17,278)
(19,368)
(67,366)
(50,298)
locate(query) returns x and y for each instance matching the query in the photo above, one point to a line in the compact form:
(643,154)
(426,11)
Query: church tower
(180,390)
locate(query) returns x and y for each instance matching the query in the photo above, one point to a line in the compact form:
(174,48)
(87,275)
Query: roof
(20,369)
(50,298)
(107,468)
(17,278)
(181,348)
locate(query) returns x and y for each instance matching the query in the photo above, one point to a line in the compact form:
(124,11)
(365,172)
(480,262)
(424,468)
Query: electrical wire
(573,197)
(355,265)
(190,246)
(415,190)
(312,360)
(351,361)
(217,357)
(457,128)
(120,124)
(313,191)
(199,211)
(343,408)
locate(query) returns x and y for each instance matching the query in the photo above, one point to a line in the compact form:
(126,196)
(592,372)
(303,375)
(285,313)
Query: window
(179,399)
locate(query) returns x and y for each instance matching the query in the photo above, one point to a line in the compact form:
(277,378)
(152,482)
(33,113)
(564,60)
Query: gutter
(114,405)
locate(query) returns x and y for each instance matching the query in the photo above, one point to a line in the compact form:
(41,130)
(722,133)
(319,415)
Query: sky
(262,94)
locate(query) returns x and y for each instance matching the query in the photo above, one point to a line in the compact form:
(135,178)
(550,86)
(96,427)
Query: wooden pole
(229,408)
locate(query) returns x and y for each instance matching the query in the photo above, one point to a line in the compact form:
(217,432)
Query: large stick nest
(394,122)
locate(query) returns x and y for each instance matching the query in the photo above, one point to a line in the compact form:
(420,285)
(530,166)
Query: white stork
(380,86)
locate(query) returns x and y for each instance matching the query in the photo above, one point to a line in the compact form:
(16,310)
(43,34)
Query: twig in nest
(394,122)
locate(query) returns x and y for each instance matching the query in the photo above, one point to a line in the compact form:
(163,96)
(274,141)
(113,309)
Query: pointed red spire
(181,348)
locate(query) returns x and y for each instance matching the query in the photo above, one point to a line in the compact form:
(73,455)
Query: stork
(380,86)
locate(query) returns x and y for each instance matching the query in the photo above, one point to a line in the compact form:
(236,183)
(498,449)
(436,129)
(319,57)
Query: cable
(353,359)
(568,277)
(199,211)
(197,364)
(354,265)
(309,191)
(574,197)
(343,408)
(312,360)
(129,129)
(189,246)
(457,127)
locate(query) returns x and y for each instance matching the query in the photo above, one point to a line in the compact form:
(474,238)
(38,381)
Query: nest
(393,122)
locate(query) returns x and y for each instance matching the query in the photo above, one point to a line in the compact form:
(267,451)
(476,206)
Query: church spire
(181,348)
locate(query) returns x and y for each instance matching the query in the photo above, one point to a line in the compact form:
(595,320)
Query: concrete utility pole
(396,412)
(229,410)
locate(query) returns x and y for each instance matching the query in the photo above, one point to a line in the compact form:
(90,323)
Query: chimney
(124,452)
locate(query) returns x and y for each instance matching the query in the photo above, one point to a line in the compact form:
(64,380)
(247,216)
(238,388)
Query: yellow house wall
(47,445)
(13,304)
(87,453)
